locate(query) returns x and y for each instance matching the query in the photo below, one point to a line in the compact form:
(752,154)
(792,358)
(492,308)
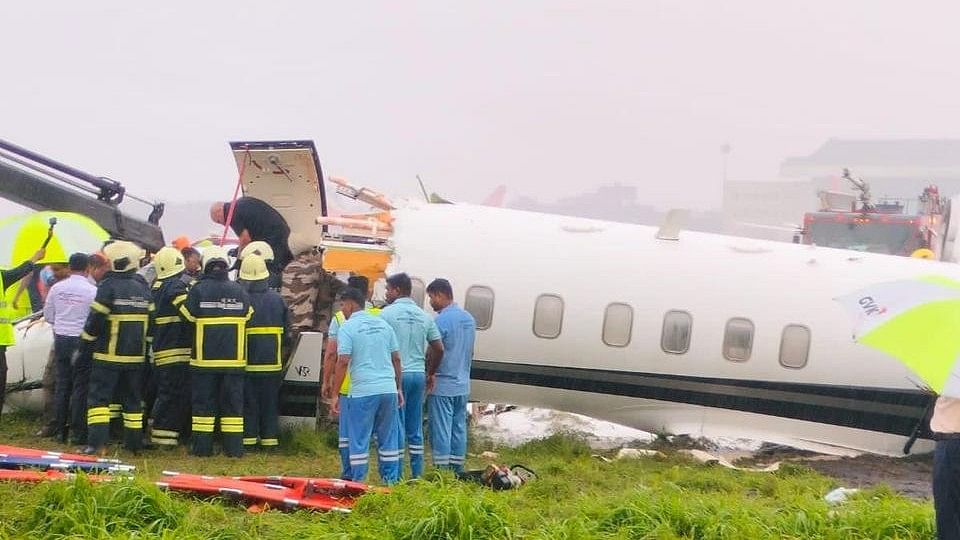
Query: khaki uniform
(309,291)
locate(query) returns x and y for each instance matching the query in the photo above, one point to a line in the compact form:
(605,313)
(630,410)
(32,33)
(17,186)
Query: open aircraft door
(287,176)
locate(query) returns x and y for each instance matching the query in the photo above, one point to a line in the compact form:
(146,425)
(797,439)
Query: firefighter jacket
(172,336)
(267,329)
(117,328)
(218,309)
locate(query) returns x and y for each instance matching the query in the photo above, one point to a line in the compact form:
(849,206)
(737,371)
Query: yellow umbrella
(22,235)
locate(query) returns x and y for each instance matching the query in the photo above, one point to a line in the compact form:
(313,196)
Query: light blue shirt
(68,304)
(414,330)
(370,343)
(458,331)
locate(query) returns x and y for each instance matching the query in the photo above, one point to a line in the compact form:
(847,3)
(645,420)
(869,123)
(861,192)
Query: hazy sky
(548,97)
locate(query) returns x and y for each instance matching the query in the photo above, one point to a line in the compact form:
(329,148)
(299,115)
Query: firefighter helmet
(923,253)
(123,256)
(253,268)
(215,254)
(260,248)
(169,262)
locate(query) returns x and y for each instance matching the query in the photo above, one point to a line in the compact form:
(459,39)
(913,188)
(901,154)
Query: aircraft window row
(738,340)
(548,316)
(677,327)
(794,346)
(618,327)
(479,303)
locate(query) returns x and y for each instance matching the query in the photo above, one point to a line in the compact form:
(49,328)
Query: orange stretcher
(32,476)
(280,492)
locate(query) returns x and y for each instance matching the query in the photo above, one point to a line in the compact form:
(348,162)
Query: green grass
(577,496)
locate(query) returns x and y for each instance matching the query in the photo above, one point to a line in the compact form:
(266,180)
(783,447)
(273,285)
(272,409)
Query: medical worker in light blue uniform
(367,348)
(448,380)
(415,331)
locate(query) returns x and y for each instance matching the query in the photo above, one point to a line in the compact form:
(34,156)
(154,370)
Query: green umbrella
(916,321)
(22,235)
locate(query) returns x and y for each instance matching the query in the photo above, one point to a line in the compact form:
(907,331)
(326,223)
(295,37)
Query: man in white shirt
(945,424)
(68,303)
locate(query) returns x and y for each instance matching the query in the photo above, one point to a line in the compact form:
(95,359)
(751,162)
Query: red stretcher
(51,455)
(34,476)
(280,492)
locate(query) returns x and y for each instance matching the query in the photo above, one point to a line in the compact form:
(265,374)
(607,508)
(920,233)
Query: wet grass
(576,497)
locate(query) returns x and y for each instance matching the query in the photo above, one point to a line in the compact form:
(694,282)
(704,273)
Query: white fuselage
(590,265)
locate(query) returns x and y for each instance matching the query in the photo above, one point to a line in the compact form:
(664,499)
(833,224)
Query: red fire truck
(916,227)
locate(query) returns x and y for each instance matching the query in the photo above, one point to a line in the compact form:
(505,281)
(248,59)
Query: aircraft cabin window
(677,328)
(418,291)
(618,325)
(548,316)
(794,346)
(738,340)
(479,303)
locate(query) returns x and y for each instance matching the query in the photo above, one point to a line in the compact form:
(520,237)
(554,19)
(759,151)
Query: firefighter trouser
(261,413)
(78,400)
(217,394)
(105,383)
(64,348)
(172,406)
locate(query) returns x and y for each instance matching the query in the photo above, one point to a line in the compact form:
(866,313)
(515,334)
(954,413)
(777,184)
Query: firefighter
(116,336)
(218,309)
(266,332)
(171,349)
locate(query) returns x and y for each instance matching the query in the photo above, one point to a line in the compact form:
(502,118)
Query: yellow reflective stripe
(115,321)
(269,442)
(186,313)
(238,322)
(276,365)
(166,320)
(203,424)
(118,358)
(165,433)
(263,368)
(229,424)
(249,313)
(97,306)
(177,300)
(161,362)
(171,352)
(218,363)
(151,307)
(250,442)
(133,420)
(340,317)
(264,330)
(87,337)
(98,415)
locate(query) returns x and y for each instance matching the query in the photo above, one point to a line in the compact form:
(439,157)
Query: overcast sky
(548,97)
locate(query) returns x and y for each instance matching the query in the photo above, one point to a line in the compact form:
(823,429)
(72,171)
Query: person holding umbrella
(7,336)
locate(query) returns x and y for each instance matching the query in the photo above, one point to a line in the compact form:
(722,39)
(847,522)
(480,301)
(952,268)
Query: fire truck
(918,227)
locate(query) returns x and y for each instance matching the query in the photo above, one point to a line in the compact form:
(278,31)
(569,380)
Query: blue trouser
(344,445)
(366,415)
(411,418)
(946,488)
(448,430)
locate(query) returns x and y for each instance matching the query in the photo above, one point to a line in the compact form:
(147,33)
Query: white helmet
(214,254)
(253,268)
(169,262)
(258,247)
(123,256)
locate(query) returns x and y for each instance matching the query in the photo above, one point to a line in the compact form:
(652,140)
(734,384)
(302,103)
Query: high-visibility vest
(7,337)
(341,318)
